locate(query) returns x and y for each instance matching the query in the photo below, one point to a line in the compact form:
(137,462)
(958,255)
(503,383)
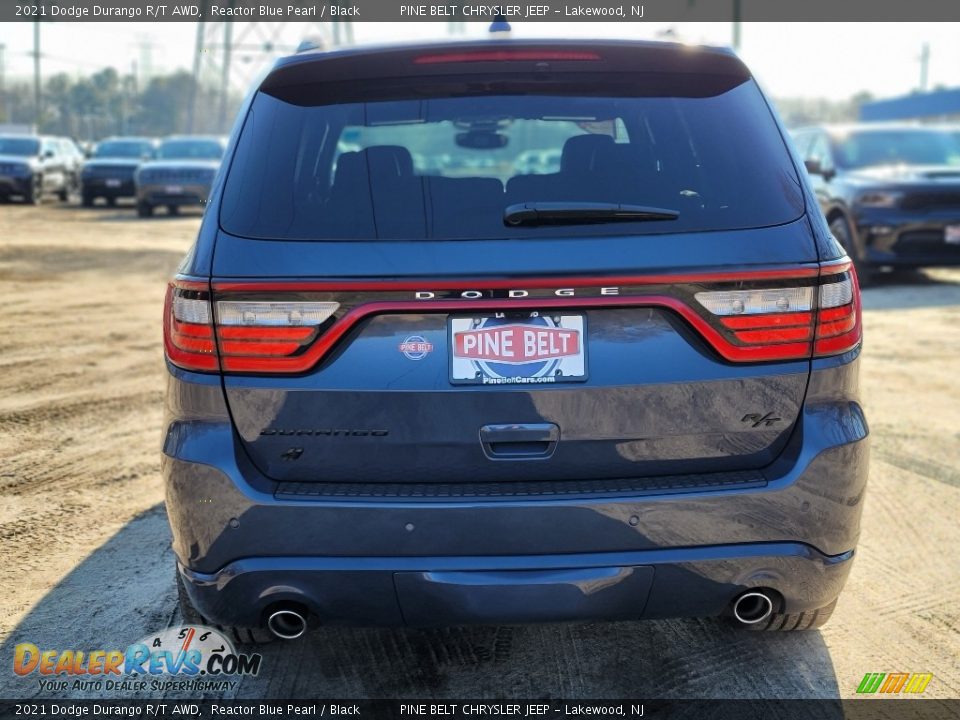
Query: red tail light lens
(187,327)
(267,336)
(289,327)
(505,56)
(767,323)
(839,325)
(790,322)
(246,337)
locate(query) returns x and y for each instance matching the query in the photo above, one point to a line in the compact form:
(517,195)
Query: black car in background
(109,172)
(181,174)
(32,165)
(891,193)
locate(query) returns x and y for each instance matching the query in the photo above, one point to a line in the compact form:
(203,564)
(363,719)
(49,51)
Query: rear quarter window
(446,166)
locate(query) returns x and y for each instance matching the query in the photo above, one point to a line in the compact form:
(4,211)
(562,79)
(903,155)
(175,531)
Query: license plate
(173,189)
(112,182)
(952,234)
(517,349)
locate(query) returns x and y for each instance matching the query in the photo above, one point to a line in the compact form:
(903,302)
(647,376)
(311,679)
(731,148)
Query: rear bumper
(242,547)
(103,187)
(442,590)
(15,185)
(178,195)
(903,240)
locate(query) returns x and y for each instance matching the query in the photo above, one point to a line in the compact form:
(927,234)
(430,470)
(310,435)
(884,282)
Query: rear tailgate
(373,400)
(381,318)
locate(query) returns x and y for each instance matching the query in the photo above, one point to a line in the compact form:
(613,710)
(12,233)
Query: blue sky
(832,60)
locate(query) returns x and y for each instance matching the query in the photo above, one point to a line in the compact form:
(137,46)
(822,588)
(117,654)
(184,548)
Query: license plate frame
(556,359)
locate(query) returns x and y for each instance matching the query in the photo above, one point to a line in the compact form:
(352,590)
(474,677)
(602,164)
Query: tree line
(108,103)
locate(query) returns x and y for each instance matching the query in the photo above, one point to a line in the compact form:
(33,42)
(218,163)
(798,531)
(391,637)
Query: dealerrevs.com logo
(200,657)
(894,683)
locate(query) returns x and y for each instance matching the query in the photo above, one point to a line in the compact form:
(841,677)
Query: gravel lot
(86,559)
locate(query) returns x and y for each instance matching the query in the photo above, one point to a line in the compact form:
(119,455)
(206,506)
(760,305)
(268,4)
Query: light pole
(37,108)
(3,84)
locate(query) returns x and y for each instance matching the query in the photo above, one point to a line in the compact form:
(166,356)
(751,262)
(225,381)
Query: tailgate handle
(519,441)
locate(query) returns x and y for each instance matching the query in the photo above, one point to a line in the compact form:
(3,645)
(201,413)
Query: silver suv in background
(32,165)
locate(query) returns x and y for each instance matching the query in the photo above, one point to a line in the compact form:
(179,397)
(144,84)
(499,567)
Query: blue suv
(413,381)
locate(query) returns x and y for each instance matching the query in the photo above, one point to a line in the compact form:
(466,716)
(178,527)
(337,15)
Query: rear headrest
(389,161)
(381,162)
(580,151)
(351,167)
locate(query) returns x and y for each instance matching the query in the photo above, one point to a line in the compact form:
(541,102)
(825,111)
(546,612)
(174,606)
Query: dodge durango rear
(509,332)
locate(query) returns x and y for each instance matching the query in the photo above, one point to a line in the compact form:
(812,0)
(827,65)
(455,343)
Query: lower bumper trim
(419,591)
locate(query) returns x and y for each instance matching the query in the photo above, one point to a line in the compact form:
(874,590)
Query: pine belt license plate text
(517,349)
(952,234)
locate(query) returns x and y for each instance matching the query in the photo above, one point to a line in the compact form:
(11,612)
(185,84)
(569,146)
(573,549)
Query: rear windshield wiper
(575,213)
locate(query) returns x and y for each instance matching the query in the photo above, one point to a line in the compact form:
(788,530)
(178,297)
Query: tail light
(265,336)
(188,327)
(506,56)
(241,336)
(839,324)
(276,328)
(794,322)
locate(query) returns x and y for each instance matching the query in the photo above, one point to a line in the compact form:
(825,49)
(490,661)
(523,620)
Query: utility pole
(225,76)
(342,32)
(924,66)
(3,84)
(145,48)
(198,49)
(37,106)
(736,24)
(228,56)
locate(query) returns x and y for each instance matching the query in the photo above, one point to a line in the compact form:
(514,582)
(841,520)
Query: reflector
(282,314)
(751,302)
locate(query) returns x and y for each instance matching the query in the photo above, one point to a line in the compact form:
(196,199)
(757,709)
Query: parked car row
(175,172)
(34,165)
(890,192)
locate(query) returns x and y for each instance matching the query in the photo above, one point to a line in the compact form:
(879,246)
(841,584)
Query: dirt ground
(85,559)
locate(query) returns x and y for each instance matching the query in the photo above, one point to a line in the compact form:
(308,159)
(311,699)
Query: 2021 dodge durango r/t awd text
(409,384)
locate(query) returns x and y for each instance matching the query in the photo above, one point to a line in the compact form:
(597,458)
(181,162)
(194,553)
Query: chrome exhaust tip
(752,607)
(287,624)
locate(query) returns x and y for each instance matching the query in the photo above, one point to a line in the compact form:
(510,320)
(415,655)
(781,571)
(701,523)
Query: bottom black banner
(879,708)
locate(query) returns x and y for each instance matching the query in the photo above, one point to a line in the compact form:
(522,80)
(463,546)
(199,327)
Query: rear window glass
(448,167)
(19,146)
(190,150)
(123,149)
(896,147)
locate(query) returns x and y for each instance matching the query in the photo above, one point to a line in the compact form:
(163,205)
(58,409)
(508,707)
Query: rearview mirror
(481,140)
(49,153)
